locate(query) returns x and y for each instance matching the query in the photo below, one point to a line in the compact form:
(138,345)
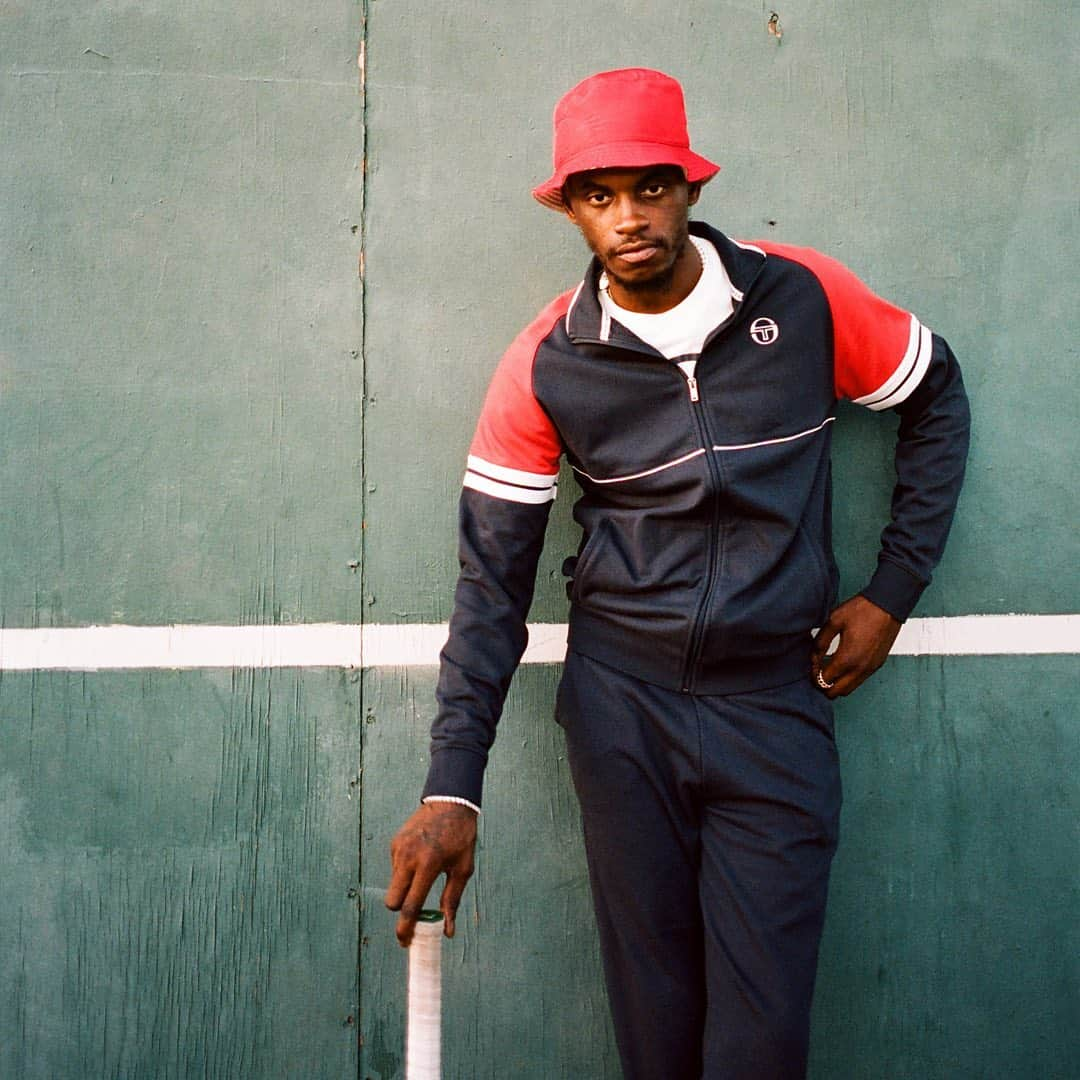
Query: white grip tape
(423,1034)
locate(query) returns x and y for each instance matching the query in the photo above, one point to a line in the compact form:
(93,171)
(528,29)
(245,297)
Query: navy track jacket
(706,556)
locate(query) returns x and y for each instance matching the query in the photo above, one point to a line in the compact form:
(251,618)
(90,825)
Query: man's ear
(693,193)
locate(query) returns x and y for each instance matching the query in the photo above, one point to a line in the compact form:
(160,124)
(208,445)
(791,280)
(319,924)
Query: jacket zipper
(697,630)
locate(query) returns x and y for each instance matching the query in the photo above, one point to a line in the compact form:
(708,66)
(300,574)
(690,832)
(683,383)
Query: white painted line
(990,635)
(101,648)
(547,644)
(406,645)
(339,645)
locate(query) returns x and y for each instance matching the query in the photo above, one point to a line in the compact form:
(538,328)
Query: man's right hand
(439,837)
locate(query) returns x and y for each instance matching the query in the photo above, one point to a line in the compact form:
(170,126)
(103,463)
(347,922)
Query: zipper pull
(692,383)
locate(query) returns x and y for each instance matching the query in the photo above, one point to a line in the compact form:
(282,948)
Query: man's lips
(638,253)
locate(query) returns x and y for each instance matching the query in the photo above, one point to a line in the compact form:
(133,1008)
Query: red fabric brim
(635,155)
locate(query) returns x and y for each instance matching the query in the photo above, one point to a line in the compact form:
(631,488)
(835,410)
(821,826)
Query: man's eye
(597,198)
(654,190)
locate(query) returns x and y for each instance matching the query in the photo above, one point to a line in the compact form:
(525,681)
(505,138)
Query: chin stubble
(659,281)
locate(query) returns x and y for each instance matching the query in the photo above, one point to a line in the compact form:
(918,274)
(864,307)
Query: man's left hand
(866,635)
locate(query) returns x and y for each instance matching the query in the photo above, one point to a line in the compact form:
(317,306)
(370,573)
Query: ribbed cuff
(455,799)
(456,772)
(894,589)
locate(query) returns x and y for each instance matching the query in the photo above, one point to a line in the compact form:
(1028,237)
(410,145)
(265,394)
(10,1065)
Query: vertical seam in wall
(361,61)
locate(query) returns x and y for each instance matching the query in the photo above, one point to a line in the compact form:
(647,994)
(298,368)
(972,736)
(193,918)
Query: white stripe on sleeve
(908,374)
(509,492)
(510,476)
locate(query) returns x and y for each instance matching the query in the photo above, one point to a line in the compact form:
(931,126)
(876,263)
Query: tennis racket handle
(423,1024)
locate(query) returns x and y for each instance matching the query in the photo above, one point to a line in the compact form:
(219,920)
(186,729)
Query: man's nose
(629,219)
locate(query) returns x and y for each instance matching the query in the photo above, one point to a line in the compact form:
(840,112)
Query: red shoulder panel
(513,432)
(872,338)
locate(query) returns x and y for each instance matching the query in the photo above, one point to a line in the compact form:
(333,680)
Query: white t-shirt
(681,330)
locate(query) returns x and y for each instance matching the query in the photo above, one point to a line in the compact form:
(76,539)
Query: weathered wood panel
(180,440)
(178,856)
(922,144)
(521,989)
(180,380)
(952,944)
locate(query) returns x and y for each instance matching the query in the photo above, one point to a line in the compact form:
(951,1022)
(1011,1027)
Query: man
(691,383)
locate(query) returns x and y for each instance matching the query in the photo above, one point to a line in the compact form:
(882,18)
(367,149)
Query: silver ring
(822,682)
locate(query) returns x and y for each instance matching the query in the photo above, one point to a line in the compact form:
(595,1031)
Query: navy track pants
(710,824)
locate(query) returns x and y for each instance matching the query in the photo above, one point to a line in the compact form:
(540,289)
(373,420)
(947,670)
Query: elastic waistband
(774,663)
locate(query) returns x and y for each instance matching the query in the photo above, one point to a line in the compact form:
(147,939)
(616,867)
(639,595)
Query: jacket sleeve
(931,453)
(508,489)
(884,358)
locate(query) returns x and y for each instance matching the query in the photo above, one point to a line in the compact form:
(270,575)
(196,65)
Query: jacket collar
(584,318)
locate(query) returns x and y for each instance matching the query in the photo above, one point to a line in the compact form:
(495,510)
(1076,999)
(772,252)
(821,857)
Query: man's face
(635,222)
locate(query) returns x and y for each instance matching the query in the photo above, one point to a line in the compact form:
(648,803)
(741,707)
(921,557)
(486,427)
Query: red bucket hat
(630,118)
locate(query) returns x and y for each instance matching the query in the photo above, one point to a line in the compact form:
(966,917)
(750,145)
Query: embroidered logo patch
(764,331)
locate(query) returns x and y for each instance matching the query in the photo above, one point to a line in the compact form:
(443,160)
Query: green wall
(179,190)
(178,850)
(180,415)
(206,416)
